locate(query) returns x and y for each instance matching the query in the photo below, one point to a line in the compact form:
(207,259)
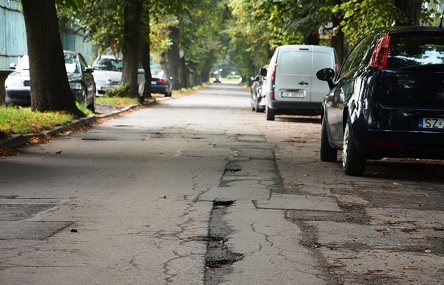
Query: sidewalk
(19,139)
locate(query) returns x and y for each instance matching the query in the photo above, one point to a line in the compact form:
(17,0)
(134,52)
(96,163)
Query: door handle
(303,83)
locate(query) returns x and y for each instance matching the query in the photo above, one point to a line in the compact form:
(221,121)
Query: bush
(122,90)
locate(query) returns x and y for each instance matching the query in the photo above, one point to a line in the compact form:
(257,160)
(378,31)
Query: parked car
(107,73)
(161,83)
(388,99)
(81,81)
(291,86)
(257,98)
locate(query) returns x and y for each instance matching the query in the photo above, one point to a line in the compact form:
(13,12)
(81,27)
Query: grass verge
(14,120)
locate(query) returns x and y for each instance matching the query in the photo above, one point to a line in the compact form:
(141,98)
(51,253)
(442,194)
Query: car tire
(92,106)
(253,104)
(269,113)
(353,162)
(327,153)
(168,94)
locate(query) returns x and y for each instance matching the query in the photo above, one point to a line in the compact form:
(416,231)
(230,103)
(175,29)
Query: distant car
(107,73)
(81,81)
(161,83)
(388,99)
(257,97)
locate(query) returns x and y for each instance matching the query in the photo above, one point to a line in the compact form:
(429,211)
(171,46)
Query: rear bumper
(408,144)
(159,89)
(295,108)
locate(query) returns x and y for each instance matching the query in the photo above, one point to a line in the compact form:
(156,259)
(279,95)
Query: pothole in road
(218,258)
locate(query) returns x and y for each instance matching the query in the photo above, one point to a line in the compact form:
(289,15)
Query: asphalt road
(201,190)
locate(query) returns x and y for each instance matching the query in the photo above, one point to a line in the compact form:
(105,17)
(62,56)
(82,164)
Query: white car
(107,73)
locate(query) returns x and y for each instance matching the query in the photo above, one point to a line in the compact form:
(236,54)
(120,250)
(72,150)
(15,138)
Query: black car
(387,100)
(80,79)
(257,99)
(161,83)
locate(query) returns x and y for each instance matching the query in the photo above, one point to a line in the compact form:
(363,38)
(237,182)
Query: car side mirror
(326,74)
(89,69)
(263,72)
(256,78)
(12,66)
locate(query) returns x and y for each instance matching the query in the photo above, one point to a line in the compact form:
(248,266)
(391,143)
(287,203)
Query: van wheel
(353,162)
(270,113)
(327,152)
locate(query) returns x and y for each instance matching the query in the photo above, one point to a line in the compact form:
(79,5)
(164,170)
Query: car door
(337,101)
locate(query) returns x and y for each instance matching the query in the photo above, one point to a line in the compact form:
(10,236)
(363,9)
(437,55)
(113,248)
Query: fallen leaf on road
(427,251)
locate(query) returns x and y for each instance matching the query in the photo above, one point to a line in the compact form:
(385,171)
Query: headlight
(75,85)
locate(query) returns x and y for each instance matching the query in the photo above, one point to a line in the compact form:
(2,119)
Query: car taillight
(272,79)
(380,53)
(161,81)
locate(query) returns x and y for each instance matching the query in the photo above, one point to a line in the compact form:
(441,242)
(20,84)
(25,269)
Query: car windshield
(108,64)
(415,50)
(23,63)
(71,63)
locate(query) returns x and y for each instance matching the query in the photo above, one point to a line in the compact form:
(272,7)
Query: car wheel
(353,162)
(92,106)
(270,113)
(327,152)
(252,104)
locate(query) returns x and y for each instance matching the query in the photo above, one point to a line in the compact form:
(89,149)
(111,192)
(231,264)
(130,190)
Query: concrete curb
(17,140)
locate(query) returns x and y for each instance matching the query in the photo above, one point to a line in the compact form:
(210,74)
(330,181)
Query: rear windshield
(303,62)
(408,50)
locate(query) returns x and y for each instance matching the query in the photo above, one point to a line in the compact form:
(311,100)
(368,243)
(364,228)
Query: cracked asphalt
(201,190)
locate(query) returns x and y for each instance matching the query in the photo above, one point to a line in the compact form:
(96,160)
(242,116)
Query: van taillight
(380,53)
(272,79)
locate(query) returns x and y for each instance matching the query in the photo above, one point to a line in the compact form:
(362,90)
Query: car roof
(407,29)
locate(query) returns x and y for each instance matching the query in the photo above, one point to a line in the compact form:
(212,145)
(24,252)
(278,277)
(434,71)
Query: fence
(13,36)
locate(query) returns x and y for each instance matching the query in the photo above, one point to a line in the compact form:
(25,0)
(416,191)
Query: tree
(50,89)
(132,44)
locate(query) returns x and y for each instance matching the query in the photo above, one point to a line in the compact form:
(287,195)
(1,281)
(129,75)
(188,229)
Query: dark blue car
(387,100)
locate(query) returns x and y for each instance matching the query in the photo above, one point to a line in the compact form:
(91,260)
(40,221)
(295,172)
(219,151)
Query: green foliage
(14,120)
(123,90)
(117,101)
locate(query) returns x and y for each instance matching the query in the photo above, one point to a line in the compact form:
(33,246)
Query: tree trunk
(145,60)
(411,10)
(337,40)
(131,45)
(50,89)
(174,58)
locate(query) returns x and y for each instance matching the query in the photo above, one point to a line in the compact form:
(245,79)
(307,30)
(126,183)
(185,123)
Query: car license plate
(153,82)
(293,94)
(431,123)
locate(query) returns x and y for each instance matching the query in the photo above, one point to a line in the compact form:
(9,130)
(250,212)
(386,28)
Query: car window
(412,49)
(71,63)
(23,63)
(360,54)
(157,73)
(83,63)
(108,64)
(290,60)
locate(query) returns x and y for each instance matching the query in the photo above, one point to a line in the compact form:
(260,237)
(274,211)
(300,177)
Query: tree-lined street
(200,190)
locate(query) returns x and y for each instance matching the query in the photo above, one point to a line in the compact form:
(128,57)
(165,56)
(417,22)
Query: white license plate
(293,94)
(431,123)
(153,82)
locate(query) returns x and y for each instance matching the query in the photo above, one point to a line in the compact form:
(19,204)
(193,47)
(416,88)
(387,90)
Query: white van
(291,86)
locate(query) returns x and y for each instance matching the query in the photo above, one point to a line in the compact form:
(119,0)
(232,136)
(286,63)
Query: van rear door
(293,78)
